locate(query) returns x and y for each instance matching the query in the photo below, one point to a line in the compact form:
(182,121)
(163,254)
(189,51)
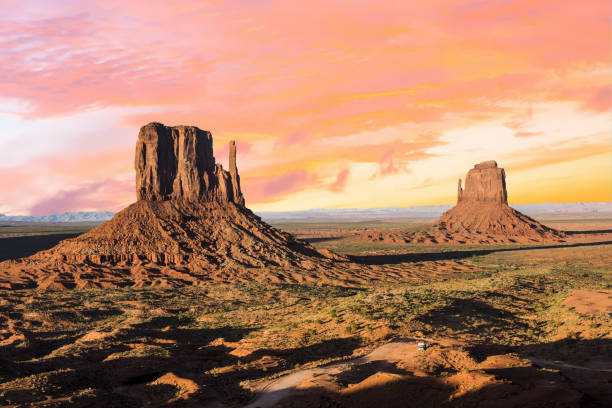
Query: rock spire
(234,177)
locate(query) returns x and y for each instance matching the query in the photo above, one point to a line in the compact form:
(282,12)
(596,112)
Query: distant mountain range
(425,212)
(429,211)
(80,216)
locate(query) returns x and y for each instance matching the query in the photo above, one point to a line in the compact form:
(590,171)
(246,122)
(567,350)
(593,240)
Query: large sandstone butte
(177,163)
(189,226)
(482,216)
(485,183)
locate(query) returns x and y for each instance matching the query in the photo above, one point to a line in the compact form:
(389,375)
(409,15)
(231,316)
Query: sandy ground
(525,382)
(590,302)
(274,391)
(532,326)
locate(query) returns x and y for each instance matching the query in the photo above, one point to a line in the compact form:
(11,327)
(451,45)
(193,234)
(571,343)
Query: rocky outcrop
(482,213)
(177,163)
(482,216)
(484,183)
(188,227)
(459,191)
(234,177)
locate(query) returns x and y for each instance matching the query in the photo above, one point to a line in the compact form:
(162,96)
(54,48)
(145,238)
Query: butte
(189,226)
(482,216)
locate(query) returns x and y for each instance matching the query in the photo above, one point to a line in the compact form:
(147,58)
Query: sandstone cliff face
(177,163)
(485,183)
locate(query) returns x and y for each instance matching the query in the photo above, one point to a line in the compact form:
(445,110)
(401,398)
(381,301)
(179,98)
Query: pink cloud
(293,72)
(526,134)
(266,61)
(390,162)
(339,185)
(95,195)
(273,188)
(600,100)
(285,183)
(40,181)
(520,120)
(293,138)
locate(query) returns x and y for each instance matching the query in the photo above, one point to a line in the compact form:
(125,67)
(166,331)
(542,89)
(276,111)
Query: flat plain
(502,325)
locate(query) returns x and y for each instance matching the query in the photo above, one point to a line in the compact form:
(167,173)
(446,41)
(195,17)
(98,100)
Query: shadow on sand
(391,259)
(589,232)
(121,367)
(19,247)
(384,384)
(322,239)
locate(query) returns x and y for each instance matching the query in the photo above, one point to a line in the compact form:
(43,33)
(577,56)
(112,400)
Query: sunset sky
(333,104)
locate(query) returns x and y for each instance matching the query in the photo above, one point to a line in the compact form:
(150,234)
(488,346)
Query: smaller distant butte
(482,216)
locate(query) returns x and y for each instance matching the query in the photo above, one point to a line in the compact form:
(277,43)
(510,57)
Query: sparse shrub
(351,328)
(307,336)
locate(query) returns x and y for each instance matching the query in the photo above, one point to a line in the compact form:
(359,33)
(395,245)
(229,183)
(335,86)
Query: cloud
(393,160)
(88,196)
(72,62)
(67,58)
(339,185)
(561,152)
(388,165)
(42,179)
(294,138)
(520,120)
(300,87)
(600,100)
(273,188)
(526,134)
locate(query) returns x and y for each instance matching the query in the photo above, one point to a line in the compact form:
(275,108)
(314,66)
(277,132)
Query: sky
(333,104)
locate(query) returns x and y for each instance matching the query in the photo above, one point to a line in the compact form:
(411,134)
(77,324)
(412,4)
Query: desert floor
(503,326)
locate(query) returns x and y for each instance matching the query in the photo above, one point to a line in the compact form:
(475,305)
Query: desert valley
(186,298)
(320,204)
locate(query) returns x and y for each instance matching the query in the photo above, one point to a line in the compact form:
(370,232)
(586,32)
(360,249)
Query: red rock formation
(484,183)
(459,191)
(482,216)
(188,226)
(234,177)
(178,163)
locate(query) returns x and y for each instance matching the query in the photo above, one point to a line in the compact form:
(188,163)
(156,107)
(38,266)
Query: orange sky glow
(333,103)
